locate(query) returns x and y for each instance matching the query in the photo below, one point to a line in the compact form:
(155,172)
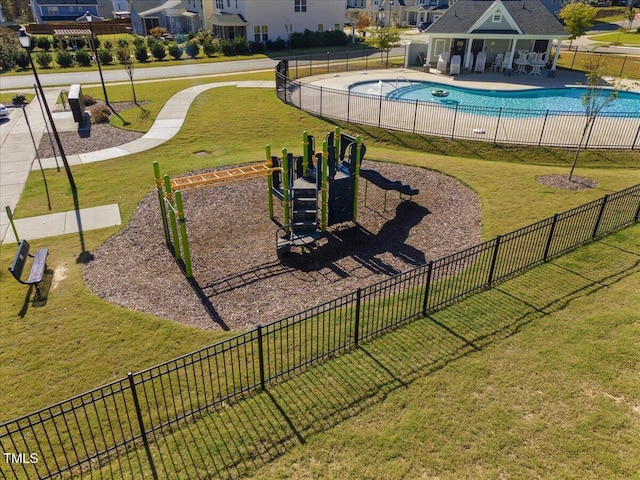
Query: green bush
(83,57)
(60,43)
(210,48)
(256,47)
(226,47)
(100,114)
(44,59)
(19,99)
(21,58)
(176,51)
(43,42)
(181,38)
(138,42)
(192,48)
(105,56)
(88,99)
(240,46)
(108,45)
(158,51)
(141,54)
(123,43)
(64,58)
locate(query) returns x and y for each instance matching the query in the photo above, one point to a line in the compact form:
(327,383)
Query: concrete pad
(64,122)
(93,218)
(55,224)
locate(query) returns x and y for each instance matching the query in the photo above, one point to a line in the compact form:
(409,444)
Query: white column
(555,57)
(429,50)
(513,52)
(467,59)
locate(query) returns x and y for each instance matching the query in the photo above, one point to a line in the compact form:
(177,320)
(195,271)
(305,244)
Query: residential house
(62,10)
(262,20)
(399,12)
(501,26)
(176,16)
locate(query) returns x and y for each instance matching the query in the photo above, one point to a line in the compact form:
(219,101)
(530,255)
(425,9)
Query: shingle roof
(531,16)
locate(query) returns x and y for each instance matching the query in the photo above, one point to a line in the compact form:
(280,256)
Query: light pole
(89,18)
(25,41)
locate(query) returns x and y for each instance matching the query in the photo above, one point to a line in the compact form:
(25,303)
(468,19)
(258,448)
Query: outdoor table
(522,64)
(536,67)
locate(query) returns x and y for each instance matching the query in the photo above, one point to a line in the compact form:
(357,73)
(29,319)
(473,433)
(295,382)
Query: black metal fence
(91,432)
(497,125)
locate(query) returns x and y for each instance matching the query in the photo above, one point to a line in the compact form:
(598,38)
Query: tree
(141,54)
(384,39)
(9,50)
(362,23)
(44,59)
(123,54)
(176,51)
(630,14)
(192,48)
(595,98)
(577,17)
(64,58)
(158,51)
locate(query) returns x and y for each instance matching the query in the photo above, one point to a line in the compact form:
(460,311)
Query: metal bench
(38,265)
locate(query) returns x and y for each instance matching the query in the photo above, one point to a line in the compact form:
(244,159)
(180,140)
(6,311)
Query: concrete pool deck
(487,80)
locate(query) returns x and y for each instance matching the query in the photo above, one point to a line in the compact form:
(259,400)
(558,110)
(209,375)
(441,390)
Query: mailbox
(76,102)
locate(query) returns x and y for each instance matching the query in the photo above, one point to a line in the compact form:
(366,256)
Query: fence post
(427,287)
(300,86)
(143,432)
(494,258)
(380,111)
(453,127)
(637,217)
(593,122)
(260,356)
(544,124)
(348,105)
(495,137)
(415,117)
(602,207)
(633,145)
(356,327)
(547,247)
(624,60)
(320,100)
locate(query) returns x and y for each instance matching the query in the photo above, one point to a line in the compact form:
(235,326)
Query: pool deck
(487,80)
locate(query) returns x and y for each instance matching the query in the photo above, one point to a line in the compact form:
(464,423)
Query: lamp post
(89,18)
(25,41)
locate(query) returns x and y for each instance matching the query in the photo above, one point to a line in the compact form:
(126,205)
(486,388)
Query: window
(260,33)
(320,28)
(228,3)
(52,10)
(497,17)
(299,5)
(71,8)
(422,2)
(219,4)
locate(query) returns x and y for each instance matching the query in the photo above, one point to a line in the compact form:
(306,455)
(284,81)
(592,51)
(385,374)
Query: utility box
(76,102)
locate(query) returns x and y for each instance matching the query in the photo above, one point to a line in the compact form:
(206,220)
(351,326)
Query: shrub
(151,42)
(60,43)
(240,46)
(109,45)
(226,47)
(192,48)
(181,38)
(141,54)
(44,59)
(21,58)
(105,56)
(157,32)
(88,99)
(83,57)
(43,42)
(210,48)
(123,42)
(100,114)
(64,58)
(19,99)
(138,42)
(158,51)
(80,43)
(256,47)
(175,51)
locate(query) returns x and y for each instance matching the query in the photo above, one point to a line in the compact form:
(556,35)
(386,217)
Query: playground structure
(317,190)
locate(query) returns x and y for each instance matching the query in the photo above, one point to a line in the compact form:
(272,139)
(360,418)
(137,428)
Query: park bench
(38,265)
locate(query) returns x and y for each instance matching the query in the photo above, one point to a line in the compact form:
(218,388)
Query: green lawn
(624,66)
(626,37)
(536,378)
(77,341)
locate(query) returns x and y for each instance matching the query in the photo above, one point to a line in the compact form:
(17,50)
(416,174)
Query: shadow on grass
(243,436)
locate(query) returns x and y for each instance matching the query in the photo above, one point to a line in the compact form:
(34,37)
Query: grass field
(77,341)
(536,378)
(618,38)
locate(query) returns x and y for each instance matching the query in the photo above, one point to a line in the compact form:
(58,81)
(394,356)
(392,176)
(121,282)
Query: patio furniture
(522,63)
(505,61)
(537,65)
(443,61)
(497,63)
(454,68)
(481,61)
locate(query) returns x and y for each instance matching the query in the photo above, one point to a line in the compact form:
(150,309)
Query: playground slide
(379,181)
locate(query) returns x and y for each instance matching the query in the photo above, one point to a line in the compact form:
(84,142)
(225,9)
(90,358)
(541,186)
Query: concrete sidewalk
(18,158)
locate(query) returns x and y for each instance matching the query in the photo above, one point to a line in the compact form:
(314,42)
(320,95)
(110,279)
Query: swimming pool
(530,102)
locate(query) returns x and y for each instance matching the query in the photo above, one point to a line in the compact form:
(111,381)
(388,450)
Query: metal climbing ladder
(304,228)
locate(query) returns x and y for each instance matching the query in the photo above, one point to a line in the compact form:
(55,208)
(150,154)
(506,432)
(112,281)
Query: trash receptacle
(76,102)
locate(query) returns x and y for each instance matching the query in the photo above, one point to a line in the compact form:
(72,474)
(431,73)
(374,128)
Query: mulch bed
(240,281)
(563,182)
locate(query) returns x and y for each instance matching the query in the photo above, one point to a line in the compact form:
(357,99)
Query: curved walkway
(16,165)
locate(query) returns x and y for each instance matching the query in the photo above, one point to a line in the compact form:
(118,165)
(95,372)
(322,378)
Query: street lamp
(89,18)
(25,41)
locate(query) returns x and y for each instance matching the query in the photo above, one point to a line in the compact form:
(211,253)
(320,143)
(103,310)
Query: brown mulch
(101,136)
(563,182)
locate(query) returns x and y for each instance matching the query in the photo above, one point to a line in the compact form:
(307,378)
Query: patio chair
(497,63)
(443,61)
(505,61)
(481,60)
(454,68)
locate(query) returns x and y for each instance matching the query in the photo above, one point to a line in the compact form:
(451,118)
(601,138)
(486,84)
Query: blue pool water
(534,101)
